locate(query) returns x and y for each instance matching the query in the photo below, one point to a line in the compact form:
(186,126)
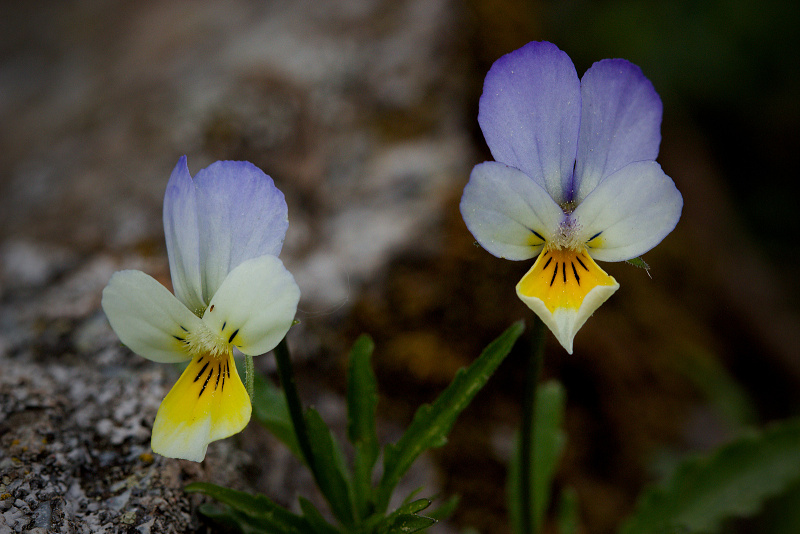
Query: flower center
(205,342)
(567,236)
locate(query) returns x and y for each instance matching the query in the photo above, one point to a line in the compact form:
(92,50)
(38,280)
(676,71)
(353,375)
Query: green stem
(289,385)
(249,370)
(527,511)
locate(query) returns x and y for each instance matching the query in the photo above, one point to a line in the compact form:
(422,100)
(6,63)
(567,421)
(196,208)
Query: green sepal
(640,263)
(547,442)
(362,402)
(330,465)
(255,512)
(432,423)
(734,481)
(271,411)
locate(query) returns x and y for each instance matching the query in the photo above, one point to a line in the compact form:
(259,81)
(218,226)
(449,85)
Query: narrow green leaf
(733,482)
(724,392)
(405,524)
(271,411)
(406,519)
(225,518)
(362,402)
(548,442)
(229,520)
(256,508)
(331,475)
(782,514)
(568,518)
(362,394)
(446,509)
(315,519)
(432,423)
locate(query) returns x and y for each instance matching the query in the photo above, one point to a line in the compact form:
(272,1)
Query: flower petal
(620,122)
(529,113)
(629,212)
(255,305)
(147,317)
(564,287)
(182,235)
(207,403)
(509,214)
(241,215)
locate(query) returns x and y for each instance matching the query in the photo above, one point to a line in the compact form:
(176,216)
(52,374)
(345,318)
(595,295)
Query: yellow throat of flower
(561,278)
(209,402)
(564,287)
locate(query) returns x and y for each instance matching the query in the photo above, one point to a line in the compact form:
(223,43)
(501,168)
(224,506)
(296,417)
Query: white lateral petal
(503,207)
(255,305)
(632,211)
(147,317)
(241,215)
(180,230)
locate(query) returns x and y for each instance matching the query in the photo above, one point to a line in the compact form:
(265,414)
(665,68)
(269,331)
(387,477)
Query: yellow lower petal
(564,287)
(209,402)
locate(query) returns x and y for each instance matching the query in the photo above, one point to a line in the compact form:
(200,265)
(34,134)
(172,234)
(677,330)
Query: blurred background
(364,112)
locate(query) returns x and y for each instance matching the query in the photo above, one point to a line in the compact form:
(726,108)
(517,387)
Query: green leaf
(315,519)
(228,520)
(362,402)
(255,511)
(548,442)
(733,482)
(568,518)
(782,514)
(331,474)
(432,423)
(270,409)
(723,391)
(446,509)
(406,519)
(409,523)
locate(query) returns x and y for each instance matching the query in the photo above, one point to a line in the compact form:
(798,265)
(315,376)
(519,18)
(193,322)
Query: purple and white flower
(224,230)
(575,178)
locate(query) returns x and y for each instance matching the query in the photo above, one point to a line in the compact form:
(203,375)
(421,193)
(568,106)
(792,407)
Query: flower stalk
(289,385)
(528,521)
(249,369)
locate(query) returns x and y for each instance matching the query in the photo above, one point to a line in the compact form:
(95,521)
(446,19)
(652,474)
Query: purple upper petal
(530,112)
(620,122)
(241,215)
(231,212)
(181,232)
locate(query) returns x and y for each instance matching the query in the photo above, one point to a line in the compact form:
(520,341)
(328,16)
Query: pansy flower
(224,230)
(574,181)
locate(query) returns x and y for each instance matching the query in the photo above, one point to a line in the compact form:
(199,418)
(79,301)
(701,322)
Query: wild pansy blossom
(574,181)
(224,230)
